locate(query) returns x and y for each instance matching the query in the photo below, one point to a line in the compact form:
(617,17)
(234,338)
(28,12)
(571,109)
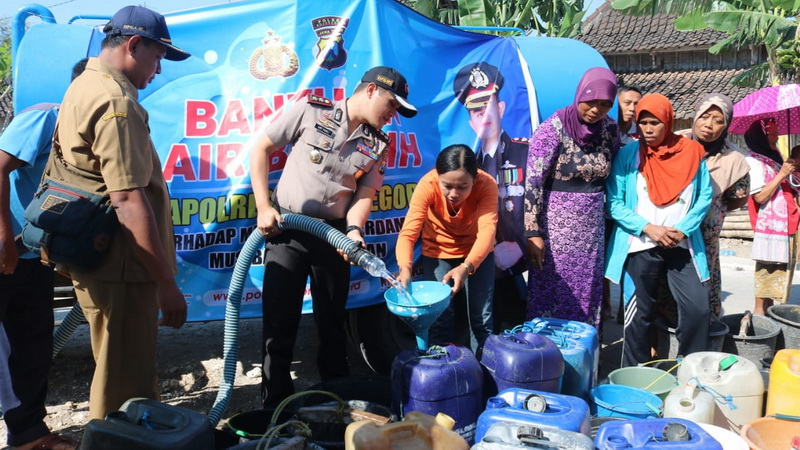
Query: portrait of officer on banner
(477,86)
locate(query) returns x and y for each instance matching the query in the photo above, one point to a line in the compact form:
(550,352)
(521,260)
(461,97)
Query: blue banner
(250,62)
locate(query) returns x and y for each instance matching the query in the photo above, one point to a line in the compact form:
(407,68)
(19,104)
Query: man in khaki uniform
(103,134)
(332,173)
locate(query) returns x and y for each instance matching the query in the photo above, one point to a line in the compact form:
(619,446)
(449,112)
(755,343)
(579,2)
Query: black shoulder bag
(67,225)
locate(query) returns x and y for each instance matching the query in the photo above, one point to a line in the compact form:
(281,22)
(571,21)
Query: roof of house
(685,88)
(611,32)
(6,105)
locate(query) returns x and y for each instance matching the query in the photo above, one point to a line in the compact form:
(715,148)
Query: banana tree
(551,18)
(5,51)
(768,23)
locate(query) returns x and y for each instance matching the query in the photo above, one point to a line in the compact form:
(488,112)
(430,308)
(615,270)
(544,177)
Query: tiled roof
(610,32)
(685,88)
(6,106)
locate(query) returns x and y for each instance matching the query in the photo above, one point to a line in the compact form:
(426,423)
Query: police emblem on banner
(273,59)
(329,53)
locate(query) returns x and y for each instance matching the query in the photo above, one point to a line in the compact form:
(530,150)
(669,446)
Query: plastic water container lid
(535,403)
(675,432)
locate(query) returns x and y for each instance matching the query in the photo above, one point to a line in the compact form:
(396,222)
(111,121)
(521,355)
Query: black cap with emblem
(394,82)
(138,20)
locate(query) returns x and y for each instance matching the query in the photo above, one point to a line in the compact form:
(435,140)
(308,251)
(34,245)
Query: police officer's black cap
(475,83)
(138,20)
(394,82)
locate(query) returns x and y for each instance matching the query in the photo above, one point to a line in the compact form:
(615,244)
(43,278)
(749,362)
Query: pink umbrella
(779,102)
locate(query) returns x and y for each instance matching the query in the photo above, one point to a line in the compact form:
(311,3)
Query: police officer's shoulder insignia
(383,160)
(520,140)
(379,133)
(320,101)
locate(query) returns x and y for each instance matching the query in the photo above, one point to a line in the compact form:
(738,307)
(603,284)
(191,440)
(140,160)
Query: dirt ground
(190,374)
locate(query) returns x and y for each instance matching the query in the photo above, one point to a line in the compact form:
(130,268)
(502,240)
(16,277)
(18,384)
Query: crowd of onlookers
(632,201)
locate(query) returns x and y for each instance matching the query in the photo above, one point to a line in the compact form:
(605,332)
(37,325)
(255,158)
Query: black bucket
(285,443)
(368,393)
(788,318)
(251,425)
(326,429)
(375,389)
(759,343)
(667,365)
(668,342)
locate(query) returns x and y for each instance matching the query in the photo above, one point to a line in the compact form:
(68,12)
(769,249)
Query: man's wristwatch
(468,266)
(354,227)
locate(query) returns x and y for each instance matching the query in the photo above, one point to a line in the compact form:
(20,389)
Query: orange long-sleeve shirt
(470,234)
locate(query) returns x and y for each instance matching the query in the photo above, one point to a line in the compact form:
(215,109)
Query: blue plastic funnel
(430,299)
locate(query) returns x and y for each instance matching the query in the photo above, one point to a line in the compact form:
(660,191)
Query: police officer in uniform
(477,86)
(335,166)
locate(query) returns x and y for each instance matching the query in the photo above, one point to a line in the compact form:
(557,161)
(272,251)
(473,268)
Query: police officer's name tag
(326,131)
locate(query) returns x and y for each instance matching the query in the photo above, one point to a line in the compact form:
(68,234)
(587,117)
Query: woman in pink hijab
(569,158)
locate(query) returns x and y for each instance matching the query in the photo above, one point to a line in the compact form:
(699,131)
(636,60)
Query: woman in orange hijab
(658,193)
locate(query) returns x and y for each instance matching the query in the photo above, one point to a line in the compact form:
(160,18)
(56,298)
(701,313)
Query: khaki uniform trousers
(123,327)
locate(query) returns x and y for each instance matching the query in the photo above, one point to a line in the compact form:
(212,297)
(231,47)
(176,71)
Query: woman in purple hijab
(569,158)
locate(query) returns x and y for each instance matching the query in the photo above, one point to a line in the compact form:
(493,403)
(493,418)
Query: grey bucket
(667,346)
(759,342)
(788,318)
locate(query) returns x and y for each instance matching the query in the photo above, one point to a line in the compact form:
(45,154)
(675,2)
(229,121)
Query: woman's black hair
(756,139)
(457,156)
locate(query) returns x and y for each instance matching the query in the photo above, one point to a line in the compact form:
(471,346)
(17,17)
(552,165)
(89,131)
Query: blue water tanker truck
(253,59)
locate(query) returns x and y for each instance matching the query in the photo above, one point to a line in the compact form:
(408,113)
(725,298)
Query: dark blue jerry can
(442,379)
(521,359)
(535,408)
(667,433)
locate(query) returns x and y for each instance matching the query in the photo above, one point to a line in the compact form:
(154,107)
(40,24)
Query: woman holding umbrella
(773,214)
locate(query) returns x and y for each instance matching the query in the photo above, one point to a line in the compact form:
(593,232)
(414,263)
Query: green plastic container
(655,381)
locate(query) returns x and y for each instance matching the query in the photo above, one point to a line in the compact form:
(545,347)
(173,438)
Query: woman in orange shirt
(454,208)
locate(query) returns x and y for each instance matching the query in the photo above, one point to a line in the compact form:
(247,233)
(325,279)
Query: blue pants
(645,268)
(479,297)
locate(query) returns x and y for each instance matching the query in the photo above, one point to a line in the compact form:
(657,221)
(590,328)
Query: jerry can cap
(726,363)
(535,403)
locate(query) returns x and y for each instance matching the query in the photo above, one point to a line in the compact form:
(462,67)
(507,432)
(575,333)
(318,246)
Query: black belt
(339,224)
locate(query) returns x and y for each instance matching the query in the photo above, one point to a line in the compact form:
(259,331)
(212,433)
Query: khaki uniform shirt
(327,163)
(103,132)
